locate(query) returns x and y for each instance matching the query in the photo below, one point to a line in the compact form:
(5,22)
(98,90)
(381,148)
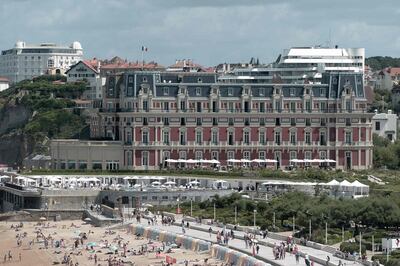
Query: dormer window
(261,91)
(199,80)
(182,90)
(145,90)
(292,91)
(230,91)
(334,81)
(322,92)
(198,91)
(347,91)
(215,90)
(166,91)
(144,79)
(277,91)
(307,91)
(130,79)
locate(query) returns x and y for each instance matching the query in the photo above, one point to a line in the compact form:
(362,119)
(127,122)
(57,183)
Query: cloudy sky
(207,31)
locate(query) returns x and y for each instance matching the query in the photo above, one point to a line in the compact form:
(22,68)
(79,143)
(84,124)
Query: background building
(385,125)
(26,61)
(4,83)
(149,116)
(295,65)
(88,71)
(388,78)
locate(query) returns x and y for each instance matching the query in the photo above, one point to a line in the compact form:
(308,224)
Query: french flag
(144,48)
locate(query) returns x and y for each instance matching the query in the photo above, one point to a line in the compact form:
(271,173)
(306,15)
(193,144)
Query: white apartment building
(297,64)
(26,61)
(385,125)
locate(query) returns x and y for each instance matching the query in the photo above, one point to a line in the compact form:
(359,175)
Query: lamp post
(360,244)
(326,233)
(373,245)
(255,212)
(342,233)
(235,214)
(273,220)
(191,207)
(214,212)
(294,225)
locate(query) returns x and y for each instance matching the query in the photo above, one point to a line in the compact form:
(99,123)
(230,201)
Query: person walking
(307,260)
(210,231)
(257,248)
(328,259)
(297,255)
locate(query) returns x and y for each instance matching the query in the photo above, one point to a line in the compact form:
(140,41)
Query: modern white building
(90,72)
(26,61)
(295,65)
(385,125)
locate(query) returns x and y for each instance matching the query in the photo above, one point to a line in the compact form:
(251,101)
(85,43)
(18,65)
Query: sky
(207,31)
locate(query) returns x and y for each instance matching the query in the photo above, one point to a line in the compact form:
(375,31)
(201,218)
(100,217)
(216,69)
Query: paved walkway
(265,253)
(269,241)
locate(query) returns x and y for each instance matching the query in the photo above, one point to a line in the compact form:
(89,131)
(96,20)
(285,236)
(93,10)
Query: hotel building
(150,116)
(26,61)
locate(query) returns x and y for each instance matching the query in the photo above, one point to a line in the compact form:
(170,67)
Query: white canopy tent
(334,182)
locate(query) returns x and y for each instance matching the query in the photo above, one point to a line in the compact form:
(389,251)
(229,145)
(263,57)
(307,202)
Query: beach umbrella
(42,218)
(245,161)
(169,183)
(113,248)
(171,161)
(88,219)
(258,161)
(195,182)
(91,244)
(155,183)
(146,205)
(233,161)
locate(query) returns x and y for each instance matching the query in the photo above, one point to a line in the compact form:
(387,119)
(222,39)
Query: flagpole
(142,58)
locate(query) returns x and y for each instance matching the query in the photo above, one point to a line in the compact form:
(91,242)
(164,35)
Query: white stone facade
(26,61)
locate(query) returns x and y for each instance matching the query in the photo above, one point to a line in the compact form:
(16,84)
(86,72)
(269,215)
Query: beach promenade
(200,231)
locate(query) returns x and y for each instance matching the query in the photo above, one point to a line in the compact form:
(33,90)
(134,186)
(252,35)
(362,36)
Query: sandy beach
(83,244)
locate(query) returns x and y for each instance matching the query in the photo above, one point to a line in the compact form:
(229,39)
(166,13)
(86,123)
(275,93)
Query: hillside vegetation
(36,110)
(380,62)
